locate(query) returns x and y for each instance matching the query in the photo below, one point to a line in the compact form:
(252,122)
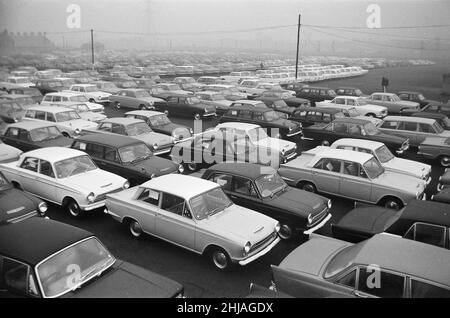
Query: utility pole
(298,46)
(92,47)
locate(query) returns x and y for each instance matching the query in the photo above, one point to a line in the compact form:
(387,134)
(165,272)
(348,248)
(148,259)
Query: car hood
(242,223)
(90,116)
(94,106)
(154,137)
(125,280)
(400,181)
(155,165)
(8,153)
(14,203)
(313,256)
(58,142)
(410,167)
(97,181)
(276,144)
(79,123)
(298,202)
(408,103)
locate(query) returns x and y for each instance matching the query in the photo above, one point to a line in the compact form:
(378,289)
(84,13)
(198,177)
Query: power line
(432,26)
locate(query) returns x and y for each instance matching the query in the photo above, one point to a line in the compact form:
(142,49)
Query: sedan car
(436,149)
(134,98)
(416,97)
(8,153)
(359,103)
(197,215)
(214,99)
(263,190)
(11,111)
(353,175)
(441,119)
(127,157)
(392,102)
(32,92)
(66,177)
(382,266)
(286,96)
(85,112)
(410,222)
(16,205)
(43,258)
(186,106)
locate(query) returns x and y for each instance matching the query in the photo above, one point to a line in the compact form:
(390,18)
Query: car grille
(318,217)
(263,242)
(102,197)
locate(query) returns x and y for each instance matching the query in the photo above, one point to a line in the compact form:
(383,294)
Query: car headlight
(91,197)
(290,129)
(191,130)
(278,227)
(283,151)
(310,218)
(77,131)
(155,145)
(126,185)
(180,168)
(152,176)
(42,208)
(329,204)
(247,247)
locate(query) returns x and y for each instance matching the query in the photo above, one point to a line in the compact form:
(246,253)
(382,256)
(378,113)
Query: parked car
(294,86)
(172,88)
(186,106)
(66,119)
(46,86)
(63,176)
(316,94)
(431,108)
(359,103)
(410,222)
(230,92)
(277,125)
(188,84)
(353,175)
(416,97)
(67,98)
(416,129)
(41,256)
(442,119)
(350,91)
(127,157)
(145,82)
(214,99)
(286,96)
(325,266)
(8,153)
(20,81)
(107,87)
(442,195)
(85,112)
(444,180)
(11,111)
(197,215)
(31,135)
(91,92)
(435,149)
(16,205)
(136,98)
(32,92)
(392,102)
(158,143)
(258,137)
(262,189)
(309,116)
(386,158)
(24,101)
(354,128)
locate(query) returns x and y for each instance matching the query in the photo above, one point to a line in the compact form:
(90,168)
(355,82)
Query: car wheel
(197,116)
(91,100)
(135,228)
(220,259)
(117,105)
(286,232)
(371,115)
(444,161)
(393,203)
(74,209)
(308,186)
(326,143)
(192,166)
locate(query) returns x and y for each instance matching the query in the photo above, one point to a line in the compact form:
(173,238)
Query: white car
(67,120)
(20,81)
(68,98)
(359,103)
(64,176)
(92,93)
(386,158)
(85,113)
(8,153)
(258,136)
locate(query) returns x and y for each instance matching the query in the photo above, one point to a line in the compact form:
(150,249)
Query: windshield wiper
(85,277)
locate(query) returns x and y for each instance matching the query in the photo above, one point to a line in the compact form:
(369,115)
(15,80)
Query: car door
(11,137)
(49,187)
(354,182)
(174,221)
(428,233)
(326,174)
(145,209)
(410,130)
(17,279)
(130,100)
(121,98)
(27,175)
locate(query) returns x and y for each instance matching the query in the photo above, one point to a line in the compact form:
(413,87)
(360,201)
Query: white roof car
(359,103)
(69,97)
(92,92)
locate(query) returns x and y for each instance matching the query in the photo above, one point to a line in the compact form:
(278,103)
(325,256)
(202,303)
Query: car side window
(51,117)
(223,180)
(17,276)
(408,126)
(30,164)
(340,128)
(326,118)
(351,168)
(172,203)
(105,127)
(390,285)
(40,115)
(389,124)
(149,196)
(331,165)
(348,280)
(246,114)
(427,233)
(420,289)
(46,169)
(354,129)
(111,154)
(426,128)
(244,186)
(95,151)
(12,133)
(118,129)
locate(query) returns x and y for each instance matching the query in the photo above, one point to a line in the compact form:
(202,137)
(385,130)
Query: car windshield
(134,153)
(78,98)
(270,184)
(446,121)
(142,94)
(384,154)
(159,120)
(91,89)
(45,133)
(73,166)
(373,168)
(395,98)
(67,116)
(257,134)
(358,92)
(271,116)
(370,129)
(138,129)
(421,97)
(192,100)
(438,128)
(209,203)
(73,266)
(280,104)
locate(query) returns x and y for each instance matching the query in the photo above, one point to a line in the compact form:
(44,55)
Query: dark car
(442,119)
(424,221)
(276,125)
(274,95)
(431,108)
(11,111)
(182,105)
(42,258)
(30,135)
(127,157)
(297,86)
(46,86)
(444,180)
(309,116)
(442,196)
(24,101)
(416,97)
(16,205)
(316,94)
(279,105)
(354,128)
(34,93)
(160,123)
(107,87)
(350,91)
(263,190)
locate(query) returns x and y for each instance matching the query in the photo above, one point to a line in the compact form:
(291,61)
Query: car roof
(436,212)
(122,120)
(240,126)
(31,124)
(249,102)
(330,110)
(146,113)
(348,97)
(64,93)
(358,143)
(244,169)
(251,108)
(176,185)
(429,115)
(113,140)
(14,96)
(342,154)
(34,239)
(50,109)
(410,119)
(352,120)
(54,154)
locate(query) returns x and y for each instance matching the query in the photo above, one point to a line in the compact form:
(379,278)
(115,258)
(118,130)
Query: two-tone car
(215,99)
(69,98)
(182,105)
(353,175)
(92,93)
(134,98)
(383,266)
(392,102)
(44,258)
(65,177)
(262,189)
(127,157)
(359,103)
(286,96)
(85,112)
(197,215)
(386,158)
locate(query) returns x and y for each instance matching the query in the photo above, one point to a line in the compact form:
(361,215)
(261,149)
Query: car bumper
(260,253)
(93,206)
(209,115)
(162,151)
(318,226)
(293,133)
(289,157)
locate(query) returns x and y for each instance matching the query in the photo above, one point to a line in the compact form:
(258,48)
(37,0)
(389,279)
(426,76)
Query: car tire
(444,161)
(135,228)
(286,232)
(393,203)
(192,167)
(74,209)
(308,186)
(117,105)
(220,259)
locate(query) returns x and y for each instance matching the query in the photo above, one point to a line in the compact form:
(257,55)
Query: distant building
(24,42)
(98,47)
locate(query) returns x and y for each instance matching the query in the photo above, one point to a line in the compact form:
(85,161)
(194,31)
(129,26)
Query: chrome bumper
(260,253)
(318,226)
